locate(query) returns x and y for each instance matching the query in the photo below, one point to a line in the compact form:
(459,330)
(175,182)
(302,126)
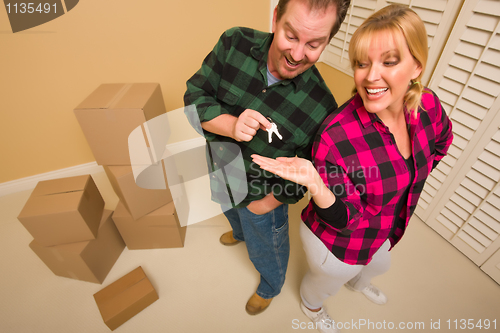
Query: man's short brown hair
(341,5)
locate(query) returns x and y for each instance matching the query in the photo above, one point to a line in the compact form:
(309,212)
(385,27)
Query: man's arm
(202,87)
(264,205)
(202,90)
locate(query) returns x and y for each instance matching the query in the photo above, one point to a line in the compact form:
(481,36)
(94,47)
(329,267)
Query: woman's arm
(300,171)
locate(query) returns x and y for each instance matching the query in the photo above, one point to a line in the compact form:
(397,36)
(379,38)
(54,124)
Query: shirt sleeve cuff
(335,215)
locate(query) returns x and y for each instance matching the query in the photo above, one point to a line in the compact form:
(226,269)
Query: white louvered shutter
(438,16)
(461,198)
(492,266)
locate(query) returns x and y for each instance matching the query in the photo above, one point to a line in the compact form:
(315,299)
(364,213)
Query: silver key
(273,129)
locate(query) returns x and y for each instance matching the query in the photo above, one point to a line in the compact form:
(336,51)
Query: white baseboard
(177,147)
(29,183)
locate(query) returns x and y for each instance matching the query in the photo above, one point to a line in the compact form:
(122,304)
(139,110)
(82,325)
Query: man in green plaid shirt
(260,93)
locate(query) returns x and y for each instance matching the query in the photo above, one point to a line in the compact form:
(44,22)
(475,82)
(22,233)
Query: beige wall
(47,70)
(339,83)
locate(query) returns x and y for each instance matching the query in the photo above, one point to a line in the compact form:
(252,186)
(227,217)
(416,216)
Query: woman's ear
(418,70)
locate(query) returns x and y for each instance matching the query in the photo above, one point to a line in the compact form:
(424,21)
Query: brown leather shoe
(228,239)
(257,304)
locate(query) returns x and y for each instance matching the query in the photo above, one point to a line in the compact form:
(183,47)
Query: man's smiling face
(300,36)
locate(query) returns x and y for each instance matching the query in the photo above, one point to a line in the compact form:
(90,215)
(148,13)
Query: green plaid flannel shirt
(232,78)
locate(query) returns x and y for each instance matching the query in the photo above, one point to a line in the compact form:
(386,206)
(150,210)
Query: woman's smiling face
(382,78)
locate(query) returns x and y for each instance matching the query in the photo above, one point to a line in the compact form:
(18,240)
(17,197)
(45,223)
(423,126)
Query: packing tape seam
(119,96)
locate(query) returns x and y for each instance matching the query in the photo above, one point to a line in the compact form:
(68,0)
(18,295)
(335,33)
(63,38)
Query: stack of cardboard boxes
(73,234)
(145,217)
(76,236)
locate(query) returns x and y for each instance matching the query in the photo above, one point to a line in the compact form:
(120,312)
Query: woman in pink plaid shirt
(372,157)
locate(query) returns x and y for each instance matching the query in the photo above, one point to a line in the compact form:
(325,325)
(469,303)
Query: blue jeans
(268,245)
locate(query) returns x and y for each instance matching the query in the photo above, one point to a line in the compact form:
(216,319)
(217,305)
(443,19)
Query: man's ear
(274,19)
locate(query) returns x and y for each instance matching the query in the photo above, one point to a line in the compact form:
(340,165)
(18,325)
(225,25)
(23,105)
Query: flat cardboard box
(64,210)
(138,201)
(87,261)
(125,298)
(110,113)
(158,229)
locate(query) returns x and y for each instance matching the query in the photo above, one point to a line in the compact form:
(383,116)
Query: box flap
(61,185)
(123,299)
(58,206)
(137,96)
(120,211)
(168,209)
(103,96)
(115,288)
(126,299)
(118,171)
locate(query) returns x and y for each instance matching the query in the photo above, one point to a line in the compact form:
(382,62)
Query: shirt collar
(366,118)
(260,52)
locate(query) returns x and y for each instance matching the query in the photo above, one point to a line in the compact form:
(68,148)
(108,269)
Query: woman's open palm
(296,169)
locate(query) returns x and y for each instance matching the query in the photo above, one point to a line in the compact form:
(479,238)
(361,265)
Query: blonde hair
(398,20)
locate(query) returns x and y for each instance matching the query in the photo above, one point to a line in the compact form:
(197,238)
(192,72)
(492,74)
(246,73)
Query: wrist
(233,131)
(315,184)
(223,125)
(271,202)
(321,194)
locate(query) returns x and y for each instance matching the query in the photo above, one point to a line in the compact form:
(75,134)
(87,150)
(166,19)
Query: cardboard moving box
(87,261)
(158,229)
(64,210)
(110,113)
(138,201)
(125,298)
